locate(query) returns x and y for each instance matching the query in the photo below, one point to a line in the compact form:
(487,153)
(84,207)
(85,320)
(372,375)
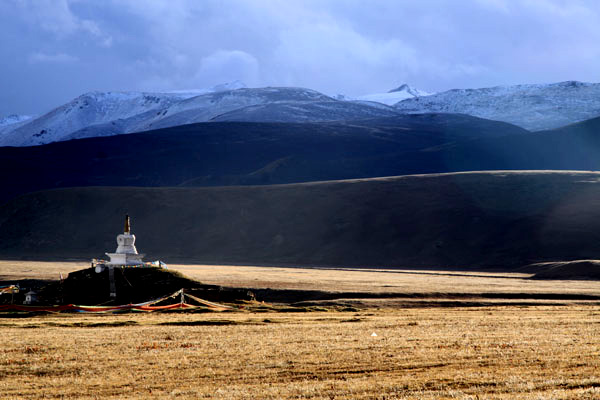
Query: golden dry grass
(509,352)
(485,353)
(14,270)
(381,280)
(331,279)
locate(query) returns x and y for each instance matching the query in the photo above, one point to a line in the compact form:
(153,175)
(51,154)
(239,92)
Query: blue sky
(55,50)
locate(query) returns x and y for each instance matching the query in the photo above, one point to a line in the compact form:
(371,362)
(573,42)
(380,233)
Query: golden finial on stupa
(127,225)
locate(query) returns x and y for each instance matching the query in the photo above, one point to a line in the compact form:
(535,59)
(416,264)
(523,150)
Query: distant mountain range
(533,107)
(106,114)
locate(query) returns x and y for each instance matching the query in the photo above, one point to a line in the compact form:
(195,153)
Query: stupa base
(100,265)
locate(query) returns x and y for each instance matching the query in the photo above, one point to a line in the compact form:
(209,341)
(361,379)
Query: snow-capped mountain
(271,104)
(534,107)
(206,107)
(313,111)
(88,109)
(92,109)
(228,86)
(392,97)
(13,119)
(107,114)
(217,88)
(12,122)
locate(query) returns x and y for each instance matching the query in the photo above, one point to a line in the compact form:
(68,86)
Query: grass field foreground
(486,353)
(492,352)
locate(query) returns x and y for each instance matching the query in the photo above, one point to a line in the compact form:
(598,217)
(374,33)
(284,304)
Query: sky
(54,50)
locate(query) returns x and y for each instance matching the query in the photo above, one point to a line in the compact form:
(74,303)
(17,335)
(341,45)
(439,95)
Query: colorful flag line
(145,306)
(9,289)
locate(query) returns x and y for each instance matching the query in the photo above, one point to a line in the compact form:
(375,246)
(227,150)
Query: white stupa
(126,253)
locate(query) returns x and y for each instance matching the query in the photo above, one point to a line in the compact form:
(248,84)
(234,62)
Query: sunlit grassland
(492,352)
(334,279)
(428,353)
(381,280)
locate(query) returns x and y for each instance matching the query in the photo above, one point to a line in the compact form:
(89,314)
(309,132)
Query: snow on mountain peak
(12,122)
(112,113)
(14,119)
(402,88)
(392,97)
(229,86)
(410,90)
(222,87)
(86,110)
(531,106)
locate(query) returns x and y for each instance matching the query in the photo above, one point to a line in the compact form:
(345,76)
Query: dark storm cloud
(54,50)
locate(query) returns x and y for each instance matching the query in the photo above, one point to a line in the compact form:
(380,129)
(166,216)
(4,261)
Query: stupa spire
(126,253)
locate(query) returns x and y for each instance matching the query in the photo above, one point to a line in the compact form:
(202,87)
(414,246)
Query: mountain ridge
(532,106)
(106,114)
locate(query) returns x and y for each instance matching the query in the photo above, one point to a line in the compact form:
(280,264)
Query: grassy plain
(430,353)
(492,352)
(45,270)
(401,281)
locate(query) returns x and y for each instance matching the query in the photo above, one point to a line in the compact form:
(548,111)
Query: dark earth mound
(133,285)
(501,220)
(568,270)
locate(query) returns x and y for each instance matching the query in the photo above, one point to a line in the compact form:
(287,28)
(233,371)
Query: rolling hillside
(238,153)
(467,220)
(573,147)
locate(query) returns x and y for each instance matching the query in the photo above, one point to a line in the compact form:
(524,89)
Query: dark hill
(466,220)
(237,153)
(573,147)
(571,270)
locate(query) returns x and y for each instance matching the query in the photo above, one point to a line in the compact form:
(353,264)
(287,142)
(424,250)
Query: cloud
(226,66)
(341,57)
(56,17)
(351,46)
(38,57)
